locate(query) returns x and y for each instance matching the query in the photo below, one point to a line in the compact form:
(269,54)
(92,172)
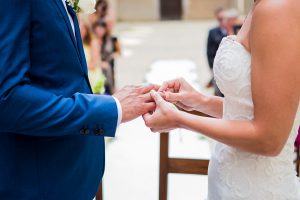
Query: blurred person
(215,37)
(100,30)
(232,21)
(102,10)
(111,47)
(91,48)
(256,123)
(52,127)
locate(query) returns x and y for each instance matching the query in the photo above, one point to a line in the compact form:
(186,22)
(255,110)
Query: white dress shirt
(70,18)
(117,101)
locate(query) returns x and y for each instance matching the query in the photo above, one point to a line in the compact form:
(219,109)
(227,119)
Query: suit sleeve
(29,110)
(210,49)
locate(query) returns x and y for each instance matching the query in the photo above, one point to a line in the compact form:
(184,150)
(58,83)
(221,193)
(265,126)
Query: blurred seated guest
(100,30)
(215,37)
(233,21)
(91,48)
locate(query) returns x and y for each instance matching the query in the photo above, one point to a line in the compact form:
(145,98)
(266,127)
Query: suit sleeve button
(84,131)
(99,131)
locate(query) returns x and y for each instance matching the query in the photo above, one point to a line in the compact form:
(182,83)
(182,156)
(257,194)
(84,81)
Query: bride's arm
(181,93)
(211,105)
(275,87)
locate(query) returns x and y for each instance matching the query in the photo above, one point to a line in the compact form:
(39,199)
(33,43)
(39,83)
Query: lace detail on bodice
(238,175)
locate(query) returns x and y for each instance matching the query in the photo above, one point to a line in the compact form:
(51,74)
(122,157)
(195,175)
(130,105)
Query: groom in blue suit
(52,128)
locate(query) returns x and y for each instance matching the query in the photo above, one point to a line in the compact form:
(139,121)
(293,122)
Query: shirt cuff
(120,114)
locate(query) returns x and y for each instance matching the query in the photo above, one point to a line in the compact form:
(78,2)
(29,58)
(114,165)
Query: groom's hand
(135,101)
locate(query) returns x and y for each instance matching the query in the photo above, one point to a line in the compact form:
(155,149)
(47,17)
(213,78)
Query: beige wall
(248,5)
(203,9)
(138,10)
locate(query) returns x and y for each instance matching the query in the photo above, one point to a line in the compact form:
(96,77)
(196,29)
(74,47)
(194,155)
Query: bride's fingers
(157,130)
(167,85)
(148,98)
(148,119)
(182,106)
(154,130)
(162,94)
(173,97)
(171,90)
(157,98)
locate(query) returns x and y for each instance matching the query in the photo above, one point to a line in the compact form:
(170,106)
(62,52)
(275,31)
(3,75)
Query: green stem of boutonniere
(74,5)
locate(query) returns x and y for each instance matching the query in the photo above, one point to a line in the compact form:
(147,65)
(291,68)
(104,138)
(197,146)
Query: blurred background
(148,41)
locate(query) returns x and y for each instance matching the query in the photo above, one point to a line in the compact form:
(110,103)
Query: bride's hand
(164,118)
(181,93)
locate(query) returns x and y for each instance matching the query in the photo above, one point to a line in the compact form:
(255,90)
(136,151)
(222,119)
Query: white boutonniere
(84,6)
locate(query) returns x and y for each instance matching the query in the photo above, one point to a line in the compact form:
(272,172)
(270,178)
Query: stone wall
(134,10)
(203,9)
(148,10)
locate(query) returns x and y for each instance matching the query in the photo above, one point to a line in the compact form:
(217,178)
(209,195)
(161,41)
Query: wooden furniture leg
(99,195)
(164,168)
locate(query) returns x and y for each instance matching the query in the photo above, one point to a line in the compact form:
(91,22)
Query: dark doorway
(170,9)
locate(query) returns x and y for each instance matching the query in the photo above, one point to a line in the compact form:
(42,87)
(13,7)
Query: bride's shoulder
(277,16)
(277,8)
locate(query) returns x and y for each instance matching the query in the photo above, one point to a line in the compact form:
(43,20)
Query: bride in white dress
(256,123)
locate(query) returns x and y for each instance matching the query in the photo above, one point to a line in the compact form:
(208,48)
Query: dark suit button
(84,131)
(99,131)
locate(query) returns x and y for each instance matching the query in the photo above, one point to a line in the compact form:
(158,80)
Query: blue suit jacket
(51,128)
(215,37)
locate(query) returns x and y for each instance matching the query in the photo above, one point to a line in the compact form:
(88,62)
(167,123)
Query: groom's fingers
(149,107)
(146,89)
(156,87)
(147,97)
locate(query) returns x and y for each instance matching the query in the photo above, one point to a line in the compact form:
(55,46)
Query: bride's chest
(232,69)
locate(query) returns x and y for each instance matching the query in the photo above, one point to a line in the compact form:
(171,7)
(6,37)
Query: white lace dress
(238,175)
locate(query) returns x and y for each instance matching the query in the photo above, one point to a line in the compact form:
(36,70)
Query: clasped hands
(158,104)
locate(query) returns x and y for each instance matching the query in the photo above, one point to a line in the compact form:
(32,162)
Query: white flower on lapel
(84,6)
(87,6)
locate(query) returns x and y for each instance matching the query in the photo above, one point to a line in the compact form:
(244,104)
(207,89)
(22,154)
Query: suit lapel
(76,41)
(79,44)
(81,51)
(62,9)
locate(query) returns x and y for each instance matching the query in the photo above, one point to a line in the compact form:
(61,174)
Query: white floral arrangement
(83,6)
